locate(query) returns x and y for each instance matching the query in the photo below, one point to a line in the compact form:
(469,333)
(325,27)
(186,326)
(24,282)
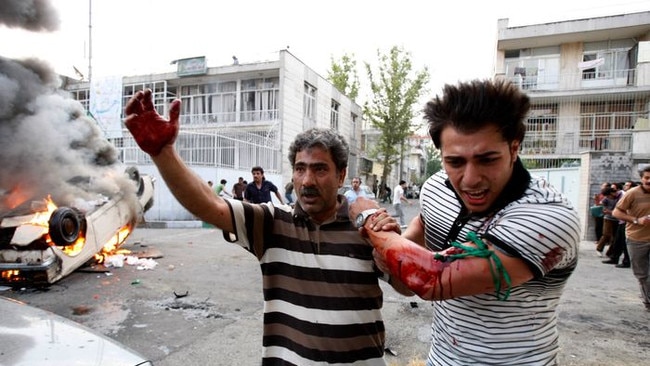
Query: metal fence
(216,147)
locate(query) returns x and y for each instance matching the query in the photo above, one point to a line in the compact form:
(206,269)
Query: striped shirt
(322,300)
(531,221)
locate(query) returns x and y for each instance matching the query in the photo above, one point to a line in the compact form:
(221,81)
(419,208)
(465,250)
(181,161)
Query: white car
(34,337)
(37,249)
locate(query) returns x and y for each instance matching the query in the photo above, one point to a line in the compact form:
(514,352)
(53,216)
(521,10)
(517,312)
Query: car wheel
(134,175)
(66,226)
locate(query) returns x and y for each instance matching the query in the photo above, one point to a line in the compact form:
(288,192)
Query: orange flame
(112,246)
(42,218)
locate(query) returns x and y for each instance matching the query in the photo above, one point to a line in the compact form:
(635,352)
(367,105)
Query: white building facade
(589,84)
(235,117)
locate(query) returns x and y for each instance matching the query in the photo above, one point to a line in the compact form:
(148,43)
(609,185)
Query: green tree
(343,75)
(434,162)
(395,89)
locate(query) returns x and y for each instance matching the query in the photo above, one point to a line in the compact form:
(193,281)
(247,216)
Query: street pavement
(202,305)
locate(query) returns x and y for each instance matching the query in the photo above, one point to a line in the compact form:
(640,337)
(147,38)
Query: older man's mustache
(309,192)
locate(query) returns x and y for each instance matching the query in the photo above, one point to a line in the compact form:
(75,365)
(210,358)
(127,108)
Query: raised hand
(151,131)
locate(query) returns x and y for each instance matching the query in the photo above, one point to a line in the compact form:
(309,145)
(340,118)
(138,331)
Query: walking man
(634,209)
(259,190)
(398,198)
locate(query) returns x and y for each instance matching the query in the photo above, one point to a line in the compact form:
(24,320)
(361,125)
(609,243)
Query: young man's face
(645,181)
(257,176)
(479,164)
(356,183)
(316,181)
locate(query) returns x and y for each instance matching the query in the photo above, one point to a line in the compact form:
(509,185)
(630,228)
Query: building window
(309,107)
(259,99)
(83,97)
(534,68)
(160,95)
(600,121)
(609,64)
(209,103)
(334,115)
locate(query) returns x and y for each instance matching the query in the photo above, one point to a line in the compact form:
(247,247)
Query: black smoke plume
(48,145)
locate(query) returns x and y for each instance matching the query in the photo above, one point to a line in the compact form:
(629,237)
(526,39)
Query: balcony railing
(573,143)
(575,80)
(229,117)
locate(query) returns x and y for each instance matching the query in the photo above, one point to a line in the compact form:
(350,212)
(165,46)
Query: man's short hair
(257,169)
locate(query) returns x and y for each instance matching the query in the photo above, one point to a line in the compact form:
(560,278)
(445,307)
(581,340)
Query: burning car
(41,243)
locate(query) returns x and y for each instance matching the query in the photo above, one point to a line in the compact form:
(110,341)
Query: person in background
(322,299)
(398,198)
(620,247)
(238,189)
(354,191)
(610,223)
(259,190)
(220,189)
(634,209)
(375,187)
(493,246)
(288,191)
(597,211)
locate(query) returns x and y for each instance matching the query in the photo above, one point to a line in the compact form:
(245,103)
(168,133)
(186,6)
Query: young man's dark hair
(498,102)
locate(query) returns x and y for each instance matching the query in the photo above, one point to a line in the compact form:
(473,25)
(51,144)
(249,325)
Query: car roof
(33,336)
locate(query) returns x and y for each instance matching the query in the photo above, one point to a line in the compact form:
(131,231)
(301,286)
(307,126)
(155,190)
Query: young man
(398,198)
(610,223)
(259,190)
(355,192)
(220,189)
(494,247)
(634,209)
(322,299)
(288,192)
(238,189)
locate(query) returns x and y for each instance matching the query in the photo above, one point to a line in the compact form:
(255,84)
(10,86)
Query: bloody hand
(151,131)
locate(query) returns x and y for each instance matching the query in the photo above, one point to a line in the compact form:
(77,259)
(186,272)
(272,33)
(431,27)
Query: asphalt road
(202,305)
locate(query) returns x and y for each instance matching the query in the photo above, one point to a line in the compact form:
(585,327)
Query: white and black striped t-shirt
(538,226)
(322,300)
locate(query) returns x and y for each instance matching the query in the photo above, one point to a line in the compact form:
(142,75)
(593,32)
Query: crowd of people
(610,231)
(621,212)
(323,254)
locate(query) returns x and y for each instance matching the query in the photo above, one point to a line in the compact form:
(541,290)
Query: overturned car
(41,243)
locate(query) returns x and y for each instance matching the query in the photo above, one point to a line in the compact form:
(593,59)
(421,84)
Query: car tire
(134,175)
(66,225)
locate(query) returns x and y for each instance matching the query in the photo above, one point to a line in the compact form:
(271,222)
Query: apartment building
(233,117)
(589,84)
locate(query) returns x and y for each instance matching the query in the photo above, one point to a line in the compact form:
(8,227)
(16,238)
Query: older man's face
(316,181)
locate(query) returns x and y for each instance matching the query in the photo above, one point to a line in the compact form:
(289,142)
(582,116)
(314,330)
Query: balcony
(532,79)
(569,144)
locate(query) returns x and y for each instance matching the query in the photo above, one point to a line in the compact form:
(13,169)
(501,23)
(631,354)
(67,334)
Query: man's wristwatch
(363,216)
(635,221)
